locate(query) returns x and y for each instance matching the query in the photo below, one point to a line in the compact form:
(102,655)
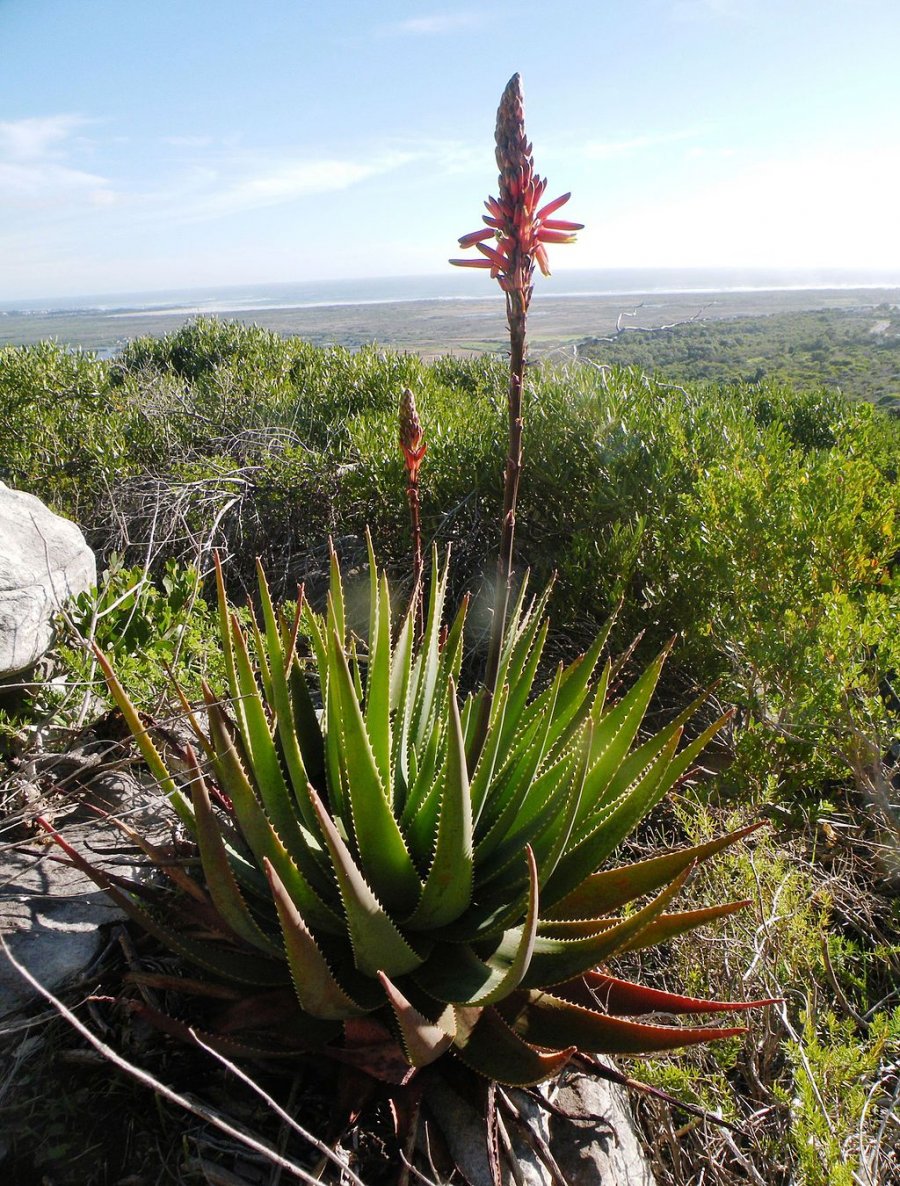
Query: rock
(43,560)
(595,1144)
(51,915)
(588,1152)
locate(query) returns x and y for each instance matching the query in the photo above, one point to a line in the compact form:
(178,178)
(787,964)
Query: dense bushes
(759,525)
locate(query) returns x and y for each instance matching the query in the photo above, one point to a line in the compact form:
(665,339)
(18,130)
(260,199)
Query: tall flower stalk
(520,229)
(413,447)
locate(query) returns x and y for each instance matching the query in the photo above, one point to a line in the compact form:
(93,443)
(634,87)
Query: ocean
(452,285)
(457,312)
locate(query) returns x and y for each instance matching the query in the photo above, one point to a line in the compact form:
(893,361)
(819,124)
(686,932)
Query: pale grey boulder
(44,560)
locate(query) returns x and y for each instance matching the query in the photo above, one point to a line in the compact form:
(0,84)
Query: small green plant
(150,628)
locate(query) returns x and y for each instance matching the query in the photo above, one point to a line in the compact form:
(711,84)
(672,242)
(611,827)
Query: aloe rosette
(374,891)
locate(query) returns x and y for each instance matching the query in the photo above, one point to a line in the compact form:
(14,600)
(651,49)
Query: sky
(159,144)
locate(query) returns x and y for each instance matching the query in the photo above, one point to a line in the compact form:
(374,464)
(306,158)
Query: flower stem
(412,494)
(516,317)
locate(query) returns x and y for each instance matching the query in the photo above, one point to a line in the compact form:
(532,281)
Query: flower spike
(520,228)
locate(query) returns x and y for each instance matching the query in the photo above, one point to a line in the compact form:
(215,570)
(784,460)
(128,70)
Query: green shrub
(757,524)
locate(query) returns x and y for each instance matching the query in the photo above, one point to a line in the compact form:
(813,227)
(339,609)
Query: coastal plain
(432,327)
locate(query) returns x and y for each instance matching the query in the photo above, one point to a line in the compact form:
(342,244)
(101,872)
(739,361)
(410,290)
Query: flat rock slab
(44,560)
(51,915)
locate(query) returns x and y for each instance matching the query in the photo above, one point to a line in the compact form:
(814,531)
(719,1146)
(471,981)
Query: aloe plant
(393,874)
(372,885)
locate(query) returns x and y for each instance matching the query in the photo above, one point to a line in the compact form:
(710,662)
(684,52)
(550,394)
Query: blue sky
(149,144)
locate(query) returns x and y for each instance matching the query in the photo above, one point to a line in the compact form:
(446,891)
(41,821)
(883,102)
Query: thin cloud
(438,24)
(33,169)
(288,182)
(691,11)
(37,136)
(603,150)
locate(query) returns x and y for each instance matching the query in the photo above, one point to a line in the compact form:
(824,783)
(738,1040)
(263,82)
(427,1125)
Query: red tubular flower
(516,221)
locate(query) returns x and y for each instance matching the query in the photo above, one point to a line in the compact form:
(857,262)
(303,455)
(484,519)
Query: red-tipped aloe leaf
(625,999)
(312,1034)
(546,1020)
(424,1041)
(492,1049)
(230,964)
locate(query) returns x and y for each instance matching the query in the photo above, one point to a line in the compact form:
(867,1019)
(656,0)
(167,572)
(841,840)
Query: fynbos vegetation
(412,842)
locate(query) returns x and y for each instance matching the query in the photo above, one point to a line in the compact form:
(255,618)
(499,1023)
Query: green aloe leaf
(262,655)
(448,887)
(492,1049)
(141,735)
(378,684)
(508,788)
(257,829)
(423,1041)
(519,675)
(240,966)
(643,755)
(378,946)
(419,820)
(225,630)
(456,975)
(614,888)
(546,1020)
(264,762)
(306,724)
(316,986)
(487,761)
(383,853)
(426,666)
(550,846)
(608,828)
(668,926)
(614,733)
(634,805)
(220,880)
(336,617)
(280,695)
(557,960)
(543,811)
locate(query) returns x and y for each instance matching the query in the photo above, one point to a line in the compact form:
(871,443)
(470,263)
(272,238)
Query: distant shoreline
(430,323)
